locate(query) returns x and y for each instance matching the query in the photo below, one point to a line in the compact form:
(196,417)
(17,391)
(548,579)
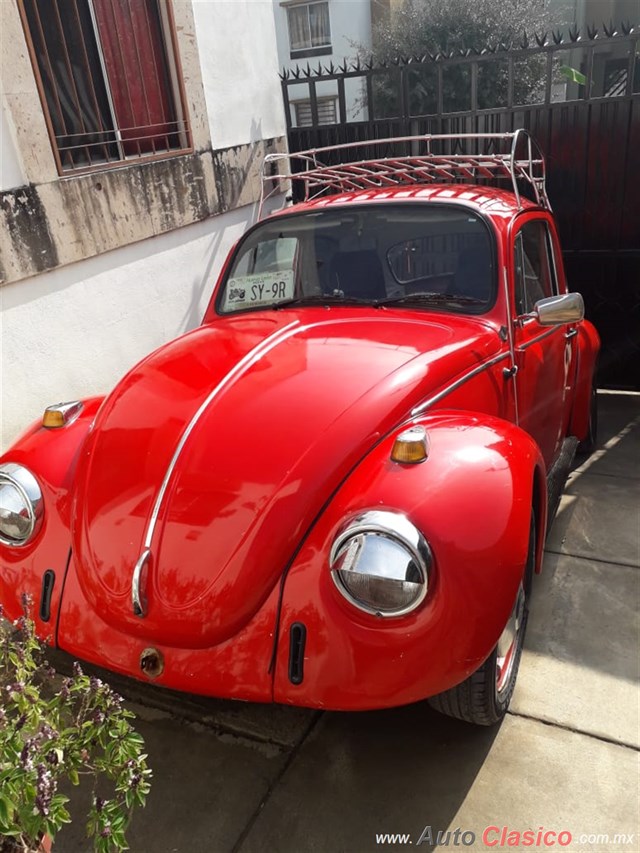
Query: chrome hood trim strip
(430,401)
(244,364)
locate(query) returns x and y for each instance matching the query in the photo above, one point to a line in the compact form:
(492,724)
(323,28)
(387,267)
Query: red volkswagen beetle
(335,491)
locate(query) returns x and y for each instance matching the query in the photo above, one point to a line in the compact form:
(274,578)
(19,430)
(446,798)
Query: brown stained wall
(53,220)
(43,226)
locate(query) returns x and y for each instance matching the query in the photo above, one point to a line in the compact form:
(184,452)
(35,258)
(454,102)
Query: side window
(535,276)
(309,29)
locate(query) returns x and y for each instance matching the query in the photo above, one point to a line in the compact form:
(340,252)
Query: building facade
(132,137)
(324,32)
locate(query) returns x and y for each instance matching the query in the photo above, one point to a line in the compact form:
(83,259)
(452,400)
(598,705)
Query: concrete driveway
(248,778)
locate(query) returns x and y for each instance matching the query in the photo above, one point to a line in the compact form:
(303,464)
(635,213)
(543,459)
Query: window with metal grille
(109,79)
(309,30)
(326,112)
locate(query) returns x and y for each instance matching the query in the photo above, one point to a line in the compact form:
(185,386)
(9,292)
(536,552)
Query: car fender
(51,456)
(588,347)
(472,499)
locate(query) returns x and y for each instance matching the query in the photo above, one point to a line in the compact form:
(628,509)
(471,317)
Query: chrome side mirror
(555,310)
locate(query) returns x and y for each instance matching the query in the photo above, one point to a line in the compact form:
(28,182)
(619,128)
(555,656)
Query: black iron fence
(578,94)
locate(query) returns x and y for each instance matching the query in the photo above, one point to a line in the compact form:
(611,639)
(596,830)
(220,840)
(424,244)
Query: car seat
(473,274)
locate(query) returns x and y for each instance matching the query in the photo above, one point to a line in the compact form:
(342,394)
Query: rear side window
(535,276)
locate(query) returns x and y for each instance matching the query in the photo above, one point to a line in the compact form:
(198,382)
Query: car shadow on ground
(369,774)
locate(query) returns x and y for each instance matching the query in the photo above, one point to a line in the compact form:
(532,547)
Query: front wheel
(483,698)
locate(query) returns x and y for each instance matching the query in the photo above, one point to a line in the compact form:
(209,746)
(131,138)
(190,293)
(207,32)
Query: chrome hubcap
(508,644)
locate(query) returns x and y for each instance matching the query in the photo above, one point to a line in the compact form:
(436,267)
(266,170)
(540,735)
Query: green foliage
(52,729)
(434,27)
(442,26)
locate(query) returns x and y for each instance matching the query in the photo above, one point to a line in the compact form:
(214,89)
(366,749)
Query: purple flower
(45,789)
(26,760)
(47,732)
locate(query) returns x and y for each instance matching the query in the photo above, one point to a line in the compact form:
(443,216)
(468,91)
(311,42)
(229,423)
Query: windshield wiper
(322,299)
(431,298)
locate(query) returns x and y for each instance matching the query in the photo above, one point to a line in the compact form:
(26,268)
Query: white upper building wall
(236,43)
(350,24)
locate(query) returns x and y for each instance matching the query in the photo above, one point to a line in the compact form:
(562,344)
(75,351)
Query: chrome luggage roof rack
(521,159)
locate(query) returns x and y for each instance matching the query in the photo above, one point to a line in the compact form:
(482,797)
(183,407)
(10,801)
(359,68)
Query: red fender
(588,346)
(472,499)
(51,456)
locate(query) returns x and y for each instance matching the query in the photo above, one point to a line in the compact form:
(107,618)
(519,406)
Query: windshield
(413,255)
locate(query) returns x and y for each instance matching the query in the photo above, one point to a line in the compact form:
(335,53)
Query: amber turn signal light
(61,414)
(411,446)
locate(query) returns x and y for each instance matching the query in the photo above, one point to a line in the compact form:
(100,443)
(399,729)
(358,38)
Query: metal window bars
(520,160)
(109,80)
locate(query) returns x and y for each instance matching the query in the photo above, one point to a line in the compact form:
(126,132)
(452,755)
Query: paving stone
(618,453)
(580,667)
(401,771)
(205,789)
(599,517)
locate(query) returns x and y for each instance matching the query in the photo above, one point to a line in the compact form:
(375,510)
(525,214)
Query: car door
(544,355)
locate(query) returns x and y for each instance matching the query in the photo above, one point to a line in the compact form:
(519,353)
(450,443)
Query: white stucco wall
(10,169)
(74,331)
(239,63)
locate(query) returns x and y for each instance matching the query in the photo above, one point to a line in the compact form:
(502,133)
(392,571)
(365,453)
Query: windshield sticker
(250,291)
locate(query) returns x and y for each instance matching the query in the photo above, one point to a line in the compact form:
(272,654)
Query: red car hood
(251,422)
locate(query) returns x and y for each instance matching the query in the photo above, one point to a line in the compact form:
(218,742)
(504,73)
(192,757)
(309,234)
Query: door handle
(571,333)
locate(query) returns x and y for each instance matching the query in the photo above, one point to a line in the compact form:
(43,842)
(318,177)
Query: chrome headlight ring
(380,562)
(21,505)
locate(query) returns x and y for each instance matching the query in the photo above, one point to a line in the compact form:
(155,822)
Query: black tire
(478,699)
(590,442)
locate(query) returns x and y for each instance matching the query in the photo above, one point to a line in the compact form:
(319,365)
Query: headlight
(21,505)
(380,562)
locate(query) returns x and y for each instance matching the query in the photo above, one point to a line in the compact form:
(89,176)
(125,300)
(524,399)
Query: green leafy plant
(53,730)
(416,28)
